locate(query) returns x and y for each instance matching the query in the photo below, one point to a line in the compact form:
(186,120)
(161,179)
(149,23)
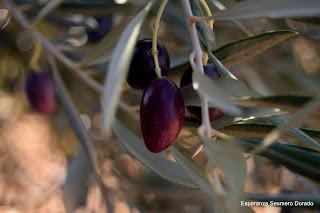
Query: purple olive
(161,114)
(208,69)
(40,92)
(142,68)
(103,27)
(186,79)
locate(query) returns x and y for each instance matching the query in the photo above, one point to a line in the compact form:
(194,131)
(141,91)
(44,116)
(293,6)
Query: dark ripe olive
(142,68)
(40,92)
(161,114)
(104,25)
(208,69)
(186,79)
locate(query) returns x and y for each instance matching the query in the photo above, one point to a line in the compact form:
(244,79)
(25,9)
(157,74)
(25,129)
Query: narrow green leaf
(119,66)
(156,162)
(270,9)
(231,87)
(302,161)
(197,174)
(302,137)
(284,102)
(214,93)
(258,130)
(73,116)
(231,159)
(248,113)
(85,162)
(194,171)
(75,187)
(242,50)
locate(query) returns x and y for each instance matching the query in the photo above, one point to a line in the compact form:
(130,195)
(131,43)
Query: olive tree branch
(198,62)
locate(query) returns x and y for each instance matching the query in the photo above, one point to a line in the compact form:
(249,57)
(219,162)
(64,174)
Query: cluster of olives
(162,107)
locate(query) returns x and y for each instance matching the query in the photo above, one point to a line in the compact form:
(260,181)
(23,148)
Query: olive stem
(155,37)
(201,19)
(208,11)
(198,54)
(34,62)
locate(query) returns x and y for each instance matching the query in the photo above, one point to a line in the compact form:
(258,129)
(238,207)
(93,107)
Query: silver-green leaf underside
(156,162)
(119,65)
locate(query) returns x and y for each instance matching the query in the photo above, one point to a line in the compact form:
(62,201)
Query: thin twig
(198,61)
(155,37)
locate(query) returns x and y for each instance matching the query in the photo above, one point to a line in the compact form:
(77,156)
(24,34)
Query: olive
(186,79)
(142,67)
(40,92)
(161,114)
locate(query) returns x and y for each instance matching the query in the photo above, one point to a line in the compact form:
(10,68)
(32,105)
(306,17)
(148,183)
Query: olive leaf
(119,66)
(284,102)
(85,162)
(302,137)
(195,172)
(248,113)
(156,162)
(245,49)
(73,115)
(302,161)
(259,130)
(269,9)
(214,93)
(75,187)
(230,158)
(4,18)
(231,87)
(242,50)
